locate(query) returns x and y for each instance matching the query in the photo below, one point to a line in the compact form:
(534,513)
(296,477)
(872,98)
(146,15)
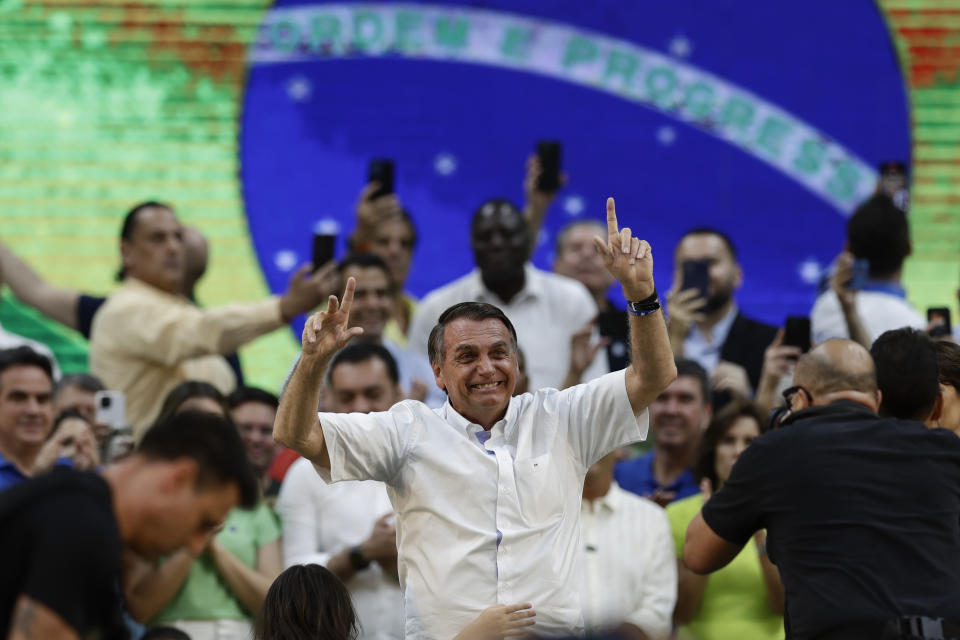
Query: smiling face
(26,408)
(679,414)
(479,369)
(393,241)
(372,302)
(254,421)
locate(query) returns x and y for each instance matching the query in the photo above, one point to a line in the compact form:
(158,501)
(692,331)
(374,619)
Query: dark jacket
(745,344)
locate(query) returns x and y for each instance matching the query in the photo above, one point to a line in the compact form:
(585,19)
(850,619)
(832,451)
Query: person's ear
(181,474)
(707,416)
(879,399)
(737,276)
(438,377)
(800,400)
(934,419)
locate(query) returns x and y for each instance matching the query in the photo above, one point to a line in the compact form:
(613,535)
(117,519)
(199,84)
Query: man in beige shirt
(148,337)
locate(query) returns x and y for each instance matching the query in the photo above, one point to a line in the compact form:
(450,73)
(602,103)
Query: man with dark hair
(62,534)
(487,488)
(547,309)
(861,512)
(348,526)
(253,411)
(678,418)
(711,329)
(907,375)
(372,306)
(879,234)
(26,412)
(148,337)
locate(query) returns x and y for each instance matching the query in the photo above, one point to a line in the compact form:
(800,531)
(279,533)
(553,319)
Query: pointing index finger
(612,230)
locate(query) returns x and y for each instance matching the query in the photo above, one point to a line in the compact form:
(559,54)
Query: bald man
(862,513)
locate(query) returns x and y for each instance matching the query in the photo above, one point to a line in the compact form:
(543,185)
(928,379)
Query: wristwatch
(357,560)
(644,307)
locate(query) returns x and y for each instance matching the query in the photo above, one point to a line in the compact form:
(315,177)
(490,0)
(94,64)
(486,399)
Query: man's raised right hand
(326,332)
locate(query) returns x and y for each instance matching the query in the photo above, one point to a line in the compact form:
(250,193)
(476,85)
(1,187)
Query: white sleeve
(597,416)
(368,446)
(295,506)
(826,319)
(658,584)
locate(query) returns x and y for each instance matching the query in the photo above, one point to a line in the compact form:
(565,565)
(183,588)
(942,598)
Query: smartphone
(861,274)
(797,333)
(893,182)
(323,248)
(111,409)
(548,152)
(381,170)
(940,318)
(696,275)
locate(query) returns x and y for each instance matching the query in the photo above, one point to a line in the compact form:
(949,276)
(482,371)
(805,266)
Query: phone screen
(861,274)
(323,249)
(381,170)
(548,152)
(797,332)
(939,318)
(696,275)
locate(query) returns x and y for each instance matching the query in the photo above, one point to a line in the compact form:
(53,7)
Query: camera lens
(106,401)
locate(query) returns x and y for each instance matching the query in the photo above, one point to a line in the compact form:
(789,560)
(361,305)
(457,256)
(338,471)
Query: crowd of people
(461,466)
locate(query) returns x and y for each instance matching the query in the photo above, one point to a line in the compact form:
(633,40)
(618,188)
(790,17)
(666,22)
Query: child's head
(307,601)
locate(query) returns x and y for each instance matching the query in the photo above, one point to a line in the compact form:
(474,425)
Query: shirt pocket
(539,490)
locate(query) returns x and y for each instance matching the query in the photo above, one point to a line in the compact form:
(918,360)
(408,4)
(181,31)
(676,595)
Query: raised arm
(58,303)
(630,260)
(324,333)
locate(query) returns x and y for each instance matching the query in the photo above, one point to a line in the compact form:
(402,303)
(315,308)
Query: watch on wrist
(644,307)
(357,559)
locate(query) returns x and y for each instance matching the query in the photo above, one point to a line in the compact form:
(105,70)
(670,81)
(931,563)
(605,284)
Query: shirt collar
(890,288)
(531,287)
(719,331)
(613,499)
(469,429)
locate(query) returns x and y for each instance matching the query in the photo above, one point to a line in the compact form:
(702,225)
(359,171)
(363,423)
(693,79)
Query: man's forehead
(486,332)
(359,375)
(366,277)
(153,219)
(683,385)
(26,377)
(702,246)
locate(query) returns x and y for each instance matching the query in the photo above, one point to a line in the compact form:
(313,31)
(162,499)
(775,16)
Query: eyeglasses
(792,391)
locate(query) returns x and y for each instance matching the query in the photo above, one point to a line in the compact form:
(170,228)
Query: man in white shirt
(486,489)
(347,526)
(547,309)
(878,233)
(630,573)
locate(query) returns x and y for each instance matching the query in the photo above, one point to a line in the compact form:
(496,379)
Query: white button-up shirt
(487,517)
(545,313)
(630,567)
(321,520)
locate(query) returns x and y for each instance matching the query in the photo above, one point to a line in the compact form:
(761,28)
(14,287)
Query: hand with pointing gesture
(326,332)
(627,258)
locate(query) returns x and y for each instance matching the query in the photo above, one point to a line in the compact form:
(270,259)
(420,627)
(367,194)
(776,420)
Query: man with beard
(546,309)
(712,331)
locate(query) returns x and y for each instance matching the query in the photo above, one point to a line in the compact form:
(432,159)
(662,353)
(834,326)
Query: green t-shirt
(205,595)
(734,604)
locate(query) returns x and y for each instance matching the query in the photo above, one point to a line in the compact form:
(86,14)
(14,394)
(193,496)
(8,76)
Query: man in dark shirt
(862,512)
(62,535)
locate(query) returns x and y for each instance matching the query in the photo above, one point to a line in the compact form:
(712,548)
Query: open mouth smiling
(486,385)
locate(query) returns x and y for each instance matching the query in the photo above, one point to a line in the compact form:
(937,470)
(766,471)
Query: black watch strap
(357,560)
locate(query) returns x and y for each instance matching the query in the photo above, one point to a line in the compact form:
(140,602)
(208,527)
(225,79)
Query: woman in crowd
(217,594)
(948,360)
(72,438)
(307,601)
(744,600)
